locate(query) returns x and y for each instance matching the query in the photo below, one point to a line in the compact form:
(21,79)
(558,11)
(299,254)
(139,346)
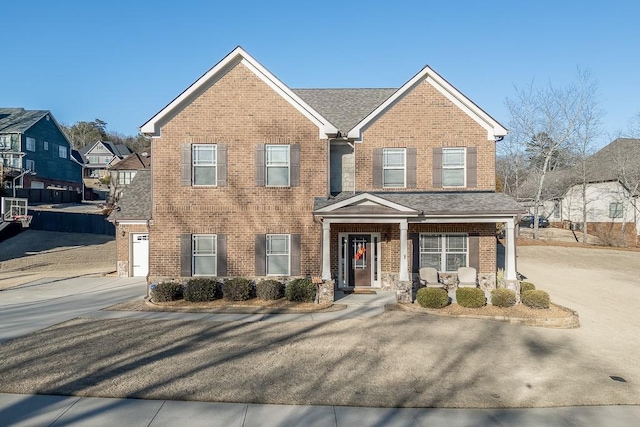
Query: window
(30,165)
(393,167)
(124,178)
(45,145)
(453,167)
(204,162)
(31,144)
(5,142)
(203,254)
(615,210)
(62,151)
(277,165)
(278,254)
(444,252)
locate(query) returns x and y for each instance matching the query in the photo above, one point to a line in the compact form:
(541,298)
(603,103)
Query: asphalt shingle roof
(344,108)
(133,162)
(441,203)
(18,120)
(135,203)
(605,164)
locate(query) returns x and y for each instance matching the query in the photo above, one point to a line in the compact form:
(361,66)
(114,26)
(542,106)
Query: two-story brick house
(359,186)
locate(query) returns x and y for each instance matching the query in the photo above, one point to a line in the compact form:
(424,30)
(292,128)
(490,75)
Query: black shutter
(259,171)
(415,252)
(474,251)
(185,163)
(472,167)
(260,251)
(185,255)
(294,153)
(411,168)
(377,167)
(221,242)
(295,255)
(437,167)
(222,165)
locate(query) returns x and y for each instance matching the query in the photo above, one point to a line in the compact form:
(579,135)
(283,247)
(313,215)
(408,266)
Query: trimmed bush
(503,297)
(432,297)
(166,291)
(300,290)
(536,299)
(527,286)
(270,290)
(201,289)
(237,289)
(470,297)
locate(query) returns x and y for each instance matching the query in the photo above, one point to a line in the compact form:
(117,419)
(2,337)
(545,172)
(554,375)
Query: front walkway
(45,410)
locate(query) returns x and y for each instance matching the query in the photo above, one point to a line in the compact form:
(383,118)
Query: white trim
(131,222)
(493,128)
(237,56)
(365,197)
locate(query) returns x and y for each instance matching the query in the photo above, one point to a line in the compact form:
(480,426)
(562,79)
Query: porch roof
(440,203)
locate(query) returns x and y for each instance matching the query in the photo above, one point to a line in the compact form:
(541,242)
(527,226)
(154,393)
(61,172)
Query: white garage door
(140,252)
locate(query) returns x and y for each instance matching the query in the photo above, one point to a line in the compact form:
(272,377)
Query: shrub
(536,299)
(432,297)
(201,289)
(237,289)
(527,286)
(470,297)
(300,290)
(270,290)
(166,291)
(503,297)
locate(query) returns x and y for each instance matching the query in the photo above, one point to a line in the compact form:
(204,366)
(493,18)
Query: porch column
(404,273)
(510,255)
(326,250)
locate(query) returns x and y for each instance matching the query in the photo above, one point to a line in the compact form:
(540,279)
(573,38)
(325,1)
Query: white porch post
(404,273)
(326,250)
(510,255)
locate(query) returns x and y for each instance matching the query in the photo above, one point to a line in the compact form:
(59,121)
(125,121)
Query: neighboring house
(555,185)
(611,204)
(97,158)
(360,187)
(37,158)
(122,173)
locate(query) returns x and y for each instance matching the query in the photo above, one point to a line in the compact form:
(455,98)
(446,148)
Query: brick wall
(425,119)
(241,111)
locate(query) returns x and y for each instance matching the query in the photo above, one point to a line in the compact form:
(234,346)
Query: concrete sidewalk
(43,410)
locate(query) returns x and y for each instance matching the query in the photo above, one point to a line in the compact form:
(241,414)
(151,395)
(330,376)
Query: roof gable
(493,128)
(237,56)
(366,203)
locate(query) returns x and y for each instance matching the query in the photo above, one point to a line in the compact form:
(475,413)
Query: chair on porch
(429,277)
(467,277)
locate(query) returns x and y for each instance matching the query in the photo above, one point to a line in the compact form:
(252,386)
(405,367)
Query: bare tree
(547,120)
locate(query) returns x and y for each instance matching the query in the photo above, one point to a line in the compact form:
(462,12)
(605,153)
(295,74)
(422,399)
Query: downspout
(328,192)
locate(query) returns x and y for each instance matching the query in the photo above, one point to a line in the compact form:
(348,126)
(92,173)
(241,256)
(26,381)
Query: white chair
(467,277)
(429,277)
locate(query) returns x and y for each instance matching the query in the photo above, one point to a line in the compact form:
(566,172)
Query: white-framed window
(204,254)
(615,210)
(205,164)
(62,151)
(30,165)
(444,252)
(45,145)
(31,144)
(5,142)
(277,165)
(394,167)
(125,177)
(278,261)
(453,167)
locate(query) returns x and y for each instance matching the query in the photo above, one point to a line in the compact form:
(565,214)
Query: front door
(140,252)
(360,259)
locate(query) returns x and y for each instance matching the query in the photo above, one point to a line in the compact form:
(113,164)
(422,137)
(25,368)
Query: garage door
(140,252)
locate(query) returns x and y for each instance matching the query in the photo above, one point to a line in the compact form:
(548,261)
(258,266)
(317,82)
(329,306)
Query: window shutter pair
(472,167)
(186,252)
(294,165)
(261,255)
(410,165)
(185,165)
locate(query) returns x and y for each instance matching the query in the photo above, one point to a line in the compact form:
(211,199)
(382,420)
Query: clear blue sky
(124,60)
